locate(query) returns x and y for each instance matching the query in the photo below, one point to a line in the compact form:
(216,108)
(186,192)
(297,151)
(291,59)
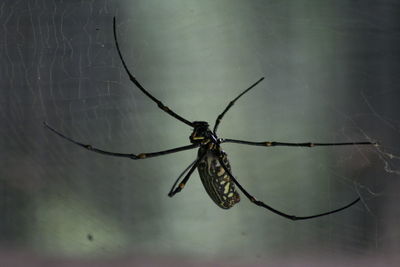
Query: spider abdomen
(216,181)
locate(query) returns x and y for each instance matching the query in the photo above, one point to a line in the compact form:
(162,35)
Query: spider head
(201,133)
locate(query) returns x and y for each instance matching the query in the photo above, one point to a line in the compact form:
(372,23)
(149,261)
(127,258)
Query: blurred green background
(331,75)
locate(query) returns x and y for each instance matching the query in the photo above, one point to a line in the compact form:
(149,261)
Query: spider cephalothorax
(202,134)
(211,161)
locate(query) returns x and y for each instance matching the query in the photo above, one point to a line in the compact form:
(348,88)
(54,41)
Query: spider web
(331,75)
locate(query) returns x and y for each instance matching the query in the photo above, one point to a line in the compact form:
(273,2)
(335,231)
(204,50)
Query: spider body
(211,162)
(201,133)
(215,179)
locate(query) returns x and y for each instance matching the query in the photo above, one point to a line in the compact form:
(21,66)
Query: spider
(211,162)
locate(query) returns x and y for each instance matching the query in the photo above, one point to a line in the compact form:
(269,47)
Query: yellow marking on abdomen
(226,188)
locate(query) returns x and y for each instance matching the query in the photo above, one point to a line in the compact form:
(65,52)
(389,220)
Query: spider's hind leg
(262,204)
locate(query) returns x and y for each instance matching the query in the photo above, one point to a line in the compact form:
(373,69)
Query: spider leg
(268,143)
(123,155)
(180,176)
(220,116)
(136,82)
(184,181)
(262,204)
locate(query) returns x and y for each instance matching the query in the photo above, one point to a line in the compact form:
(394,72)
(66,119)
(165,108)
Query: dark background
(331,71)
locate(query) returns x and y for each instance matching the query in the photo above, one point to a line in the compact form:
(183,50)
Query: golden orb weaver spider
(212,162)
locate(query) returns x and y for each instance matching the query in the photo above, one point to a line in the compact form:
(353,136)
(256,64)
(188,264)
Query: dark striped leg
(220,116)
(184,181)
(136,82)
(180,176)
(123,155)
(262,204)
(267,143)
